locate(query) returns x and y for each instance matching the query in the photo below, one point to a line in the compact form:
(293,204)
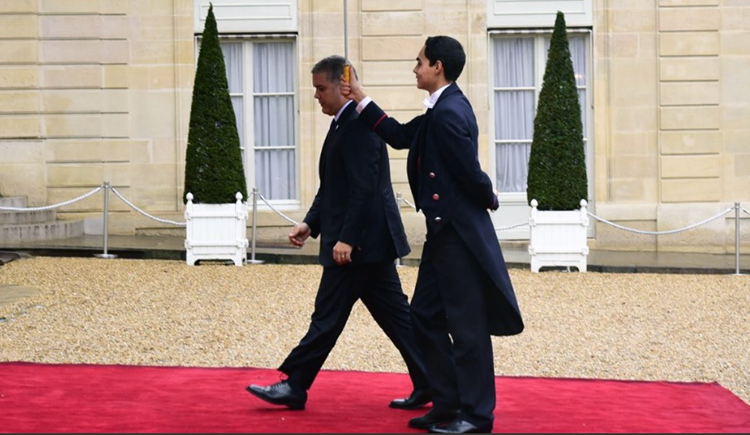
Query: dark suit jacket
(355,202)
(449,186)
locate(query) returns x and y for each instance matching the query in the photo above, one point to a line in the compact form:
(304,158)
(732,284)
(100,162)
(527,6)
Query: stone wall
(95,91)
(99,90)
(669,143)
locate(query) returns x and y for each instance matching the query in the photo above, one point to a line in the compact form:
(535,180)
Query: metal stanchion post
(346,36)
(399,200)
(736,238)
(255,228)
(105,223)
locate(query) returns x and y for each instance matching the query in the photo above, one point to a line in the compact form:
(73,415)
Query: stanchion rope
(131,205)
(522,224)
(660,233)
(293,222)
(409,203)
(49,207)
(290,220)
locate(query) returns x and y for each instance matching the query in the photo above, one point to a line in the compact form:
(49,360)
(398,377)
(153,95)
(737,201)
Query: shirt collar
(430,101)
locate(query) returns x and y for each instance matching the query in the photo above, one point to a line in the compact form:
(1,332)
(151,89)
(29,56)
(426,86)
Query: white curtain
(273,100)
(514,111)
(233,61)
(517,80)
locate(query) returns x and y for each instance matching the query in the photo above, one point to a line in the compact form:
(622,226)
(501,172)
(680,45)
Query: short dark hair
(449,52)
(333,66)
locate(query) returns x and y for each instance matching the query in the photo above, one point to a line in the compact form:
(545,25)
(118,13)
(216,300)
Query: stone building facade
(95,91)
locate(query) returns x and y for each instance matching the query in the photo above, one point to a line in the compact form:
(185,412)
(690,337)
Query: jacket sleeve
(362,160)
(395,134)
(312,218)
(456,134)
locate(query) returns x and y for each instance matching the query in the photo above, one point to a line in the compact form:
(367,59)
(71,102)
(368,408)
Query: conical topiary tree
(213,161)
(557,164)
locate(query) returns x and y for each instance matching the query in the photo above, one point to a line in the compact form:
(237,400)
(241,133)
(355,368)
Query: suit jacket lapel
(417,152)
(347,115)
(324,150)
(333,133)
(415,159)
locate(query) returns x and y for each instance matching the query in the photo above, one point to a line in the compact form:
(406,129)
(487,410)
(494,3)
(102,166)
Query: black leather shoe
(460,426)
(280,394)
(434,417)
(417,399)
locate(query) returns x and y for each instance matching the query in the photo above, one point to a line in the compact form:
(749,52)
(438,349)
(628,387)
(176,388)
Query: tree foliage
(213,163)
(557,164)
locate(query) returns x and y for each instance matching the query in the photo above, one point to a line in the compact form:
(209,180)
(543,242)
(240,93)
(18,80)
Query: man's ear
(439,68)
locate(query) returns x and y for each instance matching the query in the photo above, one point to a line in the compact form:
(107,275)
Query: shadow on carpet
(112,398)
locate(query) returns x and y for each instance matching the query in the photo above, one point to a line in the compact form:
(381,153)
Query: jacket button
(432,175)
(435,197)
(438,220)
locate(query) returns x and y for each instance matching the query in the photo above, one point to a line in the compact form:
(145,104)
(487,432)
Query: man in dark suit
(355,213)
(463,293)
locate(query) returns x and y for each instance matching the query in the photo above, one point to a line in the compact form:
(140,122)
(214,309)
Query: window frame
(248,146)
(539,66)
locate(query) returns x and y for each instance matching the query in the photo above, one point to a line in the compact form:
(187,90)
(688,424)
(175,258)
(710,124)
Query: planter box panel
(216,232)
(558,238)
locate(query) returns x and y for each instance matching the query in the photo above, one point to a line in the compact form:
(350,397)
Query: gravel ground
(578,325)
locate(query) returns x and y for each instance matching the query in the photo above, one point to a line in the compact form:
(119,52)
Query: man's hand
(352,90)
(342,253)
(495,202)
(299,234)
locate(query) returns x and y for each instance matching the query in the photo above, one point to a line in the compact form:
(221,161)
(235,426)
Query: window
(518,71)
(261,75)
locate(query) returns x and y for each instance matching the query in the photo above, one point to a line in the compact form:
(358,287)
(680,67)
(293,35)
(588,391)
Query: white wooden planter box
(558,238)
(216,231)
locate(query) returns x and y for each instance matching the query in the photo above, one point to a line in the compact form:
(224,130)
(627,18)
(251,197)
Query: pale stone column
(21,148)
(625,89)
(690,157)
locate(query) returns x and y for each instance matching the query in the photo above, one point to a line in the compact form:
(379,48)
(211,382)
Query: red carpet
(94,398)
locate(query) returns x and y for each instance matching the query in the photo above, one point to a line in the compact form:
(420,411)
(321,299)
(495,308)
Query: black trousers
(379,287)
(450,321)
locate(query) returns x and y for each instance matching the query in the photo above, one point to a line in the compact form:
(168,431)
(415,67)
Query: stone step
(61,229)
(27,217)
(13,201)
(165,231)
